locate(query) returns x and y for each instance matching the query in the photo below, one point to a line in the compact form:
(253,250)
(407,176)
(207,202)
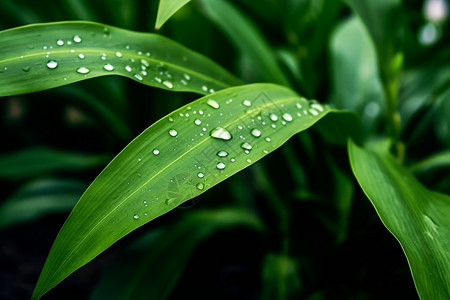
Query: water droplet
(26,69)
(197,122)
(247,103)
(273,117)
(232,159)
(173,132)
(205,88)
(76,38)
(103,56)
(81,56)
(155,151)
(83,70)
(168,84)
(170,201)
(200,175)
(221,166)
(246,146)
(221,133)
(222,153)
(187,77)
(313,112)
(249,160)
(119,54)
(299,106)
(128,68)
(200,186)
(52,64)
(137,76)
(136,216)
(256,132)
(213,103)
(108,67)
(287,117)
(267,139)
(59,42)
(139,159)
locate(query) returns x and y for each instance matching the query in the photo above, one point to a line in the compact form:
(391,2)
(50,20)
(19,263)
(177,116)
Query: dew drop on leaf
(268,139)
(317,106)
(187,77)
(155,151)
(26,69)
(83,70)
(76,38)
(200,186)
(256,132)
(108,67)
(222,153)
(52,64)
(119,54)
(81,56)
(136,216)
(138,77)
(221,166)
(128,68)
(173,132)
(213,103)
(168,84)
(197,122)
(273,117)
(200,175)
(246,146)
(287,117)
(59,42)
(247,103)
(221,133)
(313,112)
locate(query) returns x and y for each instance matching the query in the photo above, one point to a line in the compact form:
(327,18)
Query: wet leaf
(43,56)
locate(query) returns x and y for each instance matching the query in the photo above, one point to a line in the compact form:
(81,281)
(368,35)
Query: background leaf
(177,158)
(416,216)
(164,254)
(166,9)
(72,51)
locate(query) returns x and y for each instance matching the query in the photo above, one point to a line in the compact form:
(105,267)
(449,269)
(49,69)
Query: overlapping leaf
(177,158)
(43,56)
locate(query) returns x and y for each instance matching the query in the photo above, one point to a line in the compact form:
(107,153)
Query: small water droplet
(299,106)
(232,159)
(221,166)
(267,139)
(287,117)
(59,42)
(187,77)
(52,64)
(247,103)
(170,201)
(197,122)
(26,69)
(317,106)
(103,56)
(128,68)
(246,146)
(136,216)
(273,117)
(200,175)
(108,67)
(213,103)
(119,54)
(221,133)
(249,160)
(222,153)
(256,132)
(83,70)
(81,56)
(168,84)
(76,38)
(200,186)
(137,76)
(313,112)
(205,88)
(173,132)
(155,151)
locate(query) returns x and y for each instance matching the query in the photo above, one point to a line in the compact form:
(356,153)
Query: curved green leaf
(177,158)
(168,8)
(43,56)
(247,39)
(37,161)
(162,256)
(416,216)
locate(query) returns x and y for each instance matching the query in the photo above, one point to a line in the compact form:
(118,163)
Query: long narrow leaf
(416,216)
(43,56)
(176,159)
(168,8)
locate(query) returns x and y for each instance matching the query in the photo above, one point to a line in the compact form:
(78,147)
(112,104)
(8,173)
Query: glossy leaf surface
(168,8)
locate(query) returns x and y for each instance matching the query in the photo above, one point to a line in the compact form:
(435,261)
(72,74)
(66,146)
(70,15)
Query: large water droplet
(213,103)
(77,38)
(200,186)
(108,67)
(155,151)
(256,132)
(287,117)
(221,166)
(173,132)
(246,146)
(221,133)
(247,103)
(222,153)
(83,70)
(52,64)
(273,117)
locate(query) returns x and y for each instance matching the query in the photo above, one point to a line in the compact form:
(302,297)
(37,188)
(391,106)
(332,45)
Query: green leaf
(40,198)
(166,9)
(416,216)
(280,278)
(436,161)
(157,260)
(177,158)
(247,39)
(37,161)
(43,56)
